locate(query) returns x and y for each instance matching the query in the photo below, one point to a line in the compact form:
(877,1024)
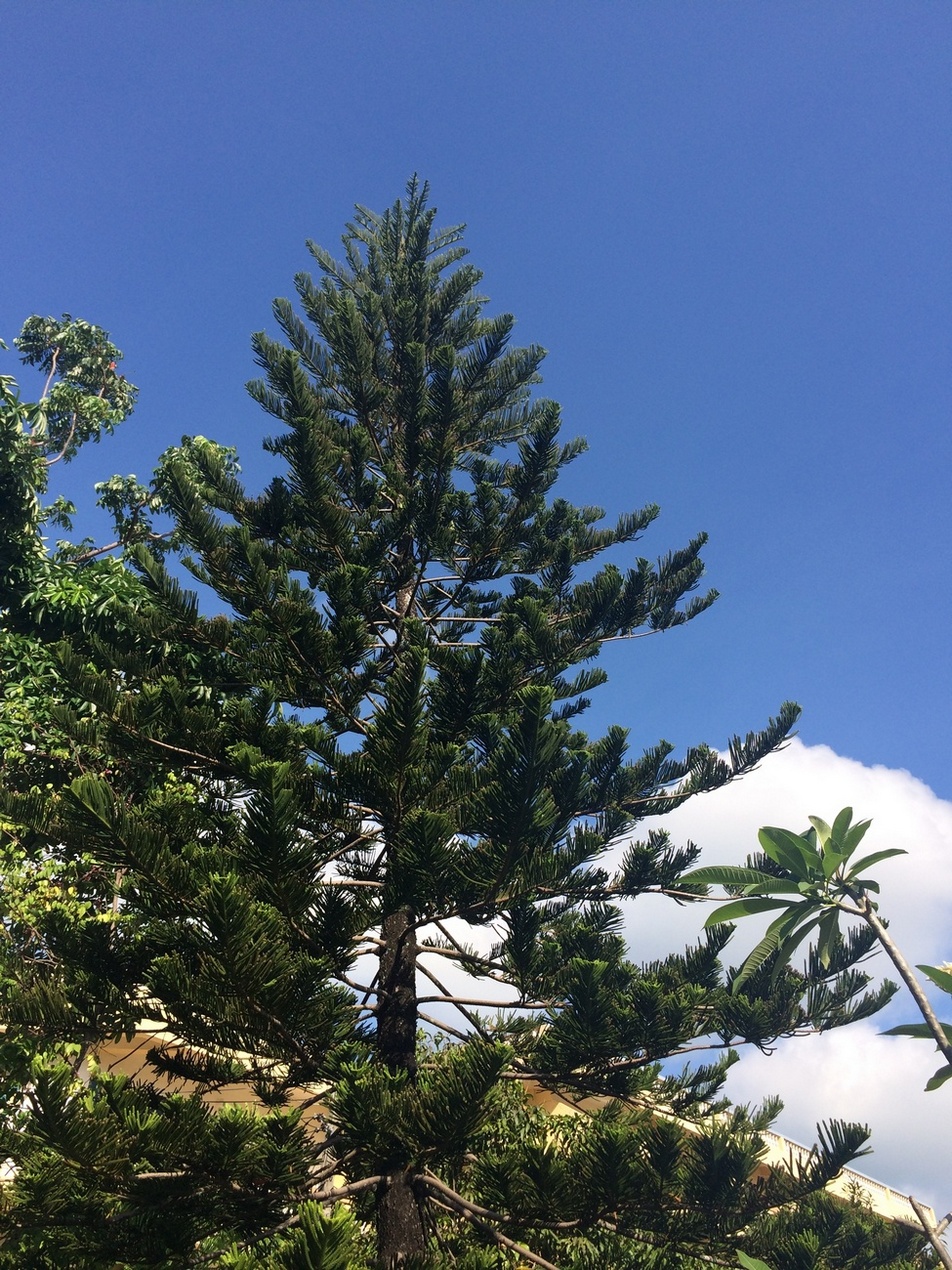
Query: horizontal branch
(478,1002)
(484,1219)
(347,882)
(85,556)
(472,1019)
(344,1192)
(457,953)
(322,1197)
(583,1080)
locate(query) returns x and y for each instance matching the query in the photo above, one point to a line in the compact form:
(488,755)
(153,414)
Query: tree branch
(470,1018)
(443,1027)
(85,556)
(66,443)
(344,1192)
(449,999)
(461,951)
(932,1234)
(909,979)
(483,1219)
(339,881)
(49,378)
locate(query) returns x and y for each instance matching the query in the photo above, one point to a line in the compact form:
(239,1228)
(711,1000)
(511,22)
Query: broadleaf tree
(333,830)
(814,881)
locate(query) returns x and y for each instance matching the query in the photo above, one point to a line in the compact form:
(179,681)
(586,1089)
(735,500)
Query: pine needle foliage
(344,798)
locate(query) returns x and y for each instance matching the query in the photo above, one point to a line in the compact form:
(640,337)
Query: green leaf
(865,884)
(791,851)
(789,947)
(823,830)
(756,959)
(921,1031)
(750,1263)
(941,978)
(743,908)
(832,859)
(789,921)
(838,842)
(776,937)
(940,1077)
(95,795)
(753,880)
(869,860)
(841,826)
(856,835)
(777,932)
(828,924)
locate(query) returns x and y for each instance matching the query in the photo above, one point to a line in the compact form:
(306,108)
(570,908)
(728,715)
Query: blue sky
(728,222)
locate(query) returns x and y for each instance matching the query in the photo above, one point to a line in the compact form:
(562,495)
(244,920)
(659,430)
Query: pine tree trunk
(399,1223)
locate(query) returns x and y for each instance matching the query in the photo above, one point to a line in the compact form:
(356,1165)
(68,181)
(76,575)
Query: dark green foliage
(354,801)
(822,1233)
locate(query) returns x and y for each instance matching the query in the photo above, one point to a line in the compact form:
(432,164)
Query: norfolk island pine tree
(370,748)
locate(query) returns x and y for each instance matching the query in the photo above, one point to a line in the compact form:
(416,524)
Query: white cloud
(852,1073)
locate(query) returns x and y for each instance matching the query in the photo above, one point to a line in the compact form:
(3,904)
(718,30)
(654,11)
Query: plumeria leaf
(777,936)
(856,834)
(828,925)
(789,948)
(735,875)
(869,860)
(941,978)
(841,825)
(756,959)
(940,1077)
(921,1031)
(791,851)
(823,830)
(750,1263)
(743,908)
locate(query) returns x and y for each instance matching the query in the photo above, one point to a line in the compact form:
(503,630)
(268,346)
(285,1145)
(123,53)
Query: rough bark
(399,1222)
